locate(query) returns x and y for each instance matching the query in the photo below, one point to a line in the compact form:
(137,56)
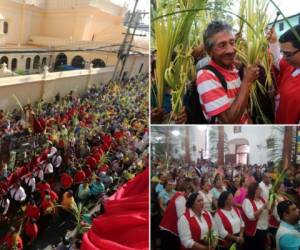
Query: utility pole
(125,48)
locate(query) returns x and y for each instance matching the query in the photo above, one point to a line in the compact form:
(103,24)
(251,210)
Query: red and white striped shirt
(214,98)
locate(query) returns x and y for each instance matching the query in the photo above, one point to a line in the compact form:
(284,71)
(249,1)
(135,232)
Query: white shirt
(207,199)
(235,220)
(263,220)
(5,204)
(56,161)
(53,150)
(180,205)
(185,232)
(48,169)
(40,174)
(265,190)
(30,182)
(18,194)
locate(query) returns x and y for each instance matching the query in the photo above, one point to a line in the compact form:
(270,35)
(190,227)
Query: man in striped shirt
(228,106)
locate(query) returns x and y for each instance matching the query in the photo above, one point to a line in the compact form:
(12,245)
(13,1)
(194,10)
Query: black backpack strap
(222,80)
(218,74)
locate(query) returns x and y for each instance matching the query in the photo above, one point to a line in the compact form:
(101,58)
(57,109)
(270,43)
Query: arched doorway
(4,59)
(28,63)
(238,151)
(14,64)
(78,62)
(44,62)
(61,59)
(98,63)
(36,62)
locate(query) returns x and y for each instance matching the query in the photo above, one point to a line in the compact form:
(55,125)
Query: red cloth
(79,176)
(32,211)
(88,172)
(103,168)
(42,187)
(288,111)
(227,226)
(31,229)
(127,208)
(118,135)
(53,196)
(46,204)
(9,240)
(169,220)
(37,126)
(250,225)
(91,162)
(195,227)
(66,180)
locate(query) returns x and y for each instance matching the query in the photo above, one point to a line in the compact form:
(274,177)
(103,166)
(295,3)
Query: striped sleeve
(213,97)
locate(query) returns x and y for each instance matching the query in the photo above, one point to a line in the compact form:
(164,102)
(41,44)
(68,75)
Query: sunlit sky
(142,4)
(288,7)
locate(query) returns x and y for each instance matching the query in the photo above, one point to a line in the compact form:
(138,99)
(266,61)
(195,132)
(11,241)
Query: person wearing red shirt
(12,240)
(52,194)
(32,211)
(79,176)
(42,186)
(66,181)
(103,168)
(31,230)
(288,64)
(91,162)
(87,171)
(48,211)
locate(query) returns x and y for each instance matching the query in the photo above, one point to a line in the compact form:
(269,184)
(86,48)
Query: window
(281,26)
(4,59)
(299,19)
(14,64)
(61,59)
(78,62)
(28,63)
(44,62)
(36,62)
(5,27)
(98,63)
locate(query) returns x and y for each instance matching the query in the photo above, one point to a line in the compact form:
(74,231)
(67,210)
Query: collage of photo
(149,124)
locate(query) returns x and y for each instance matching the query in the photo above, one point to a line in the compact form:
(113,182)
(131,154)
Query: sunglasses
(288,54)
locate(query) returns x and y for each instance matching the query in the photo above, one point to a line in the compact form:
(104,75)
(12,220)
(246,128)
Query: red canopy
(125,225)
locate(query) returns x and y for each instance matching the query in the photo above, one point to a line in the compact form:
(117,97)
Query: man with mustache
(224,104)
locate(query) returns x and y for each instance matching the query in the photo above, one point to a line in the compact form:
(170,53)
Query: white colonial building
(62,35)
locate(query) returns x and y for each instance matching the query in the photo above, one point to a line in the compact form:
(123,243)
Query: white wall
(256,135)
(33,87)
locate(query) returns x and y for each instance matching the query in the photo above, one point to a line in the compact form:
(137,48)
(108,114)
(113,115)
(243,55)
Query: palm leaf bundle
(233,246)
(171,33)
(252,47)
(211,238)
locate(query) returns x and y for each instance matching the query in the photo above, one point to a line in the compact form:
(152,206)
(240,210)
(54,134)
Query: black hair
(283,207)
(191,199)
(289,36)
(252,190)
(222,199)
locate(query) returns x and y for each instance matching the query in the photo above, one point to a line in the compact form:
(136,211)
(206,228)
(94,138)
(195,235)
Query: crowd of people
(220,92)
(204,206)
(92,143)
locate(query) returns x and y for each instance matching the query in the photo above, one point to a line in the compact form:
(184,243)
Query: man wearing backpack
(223,96)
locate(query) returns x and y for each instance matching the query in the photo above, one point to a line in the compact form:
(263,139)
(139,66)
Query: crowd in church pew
(92,143)
(205,206)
